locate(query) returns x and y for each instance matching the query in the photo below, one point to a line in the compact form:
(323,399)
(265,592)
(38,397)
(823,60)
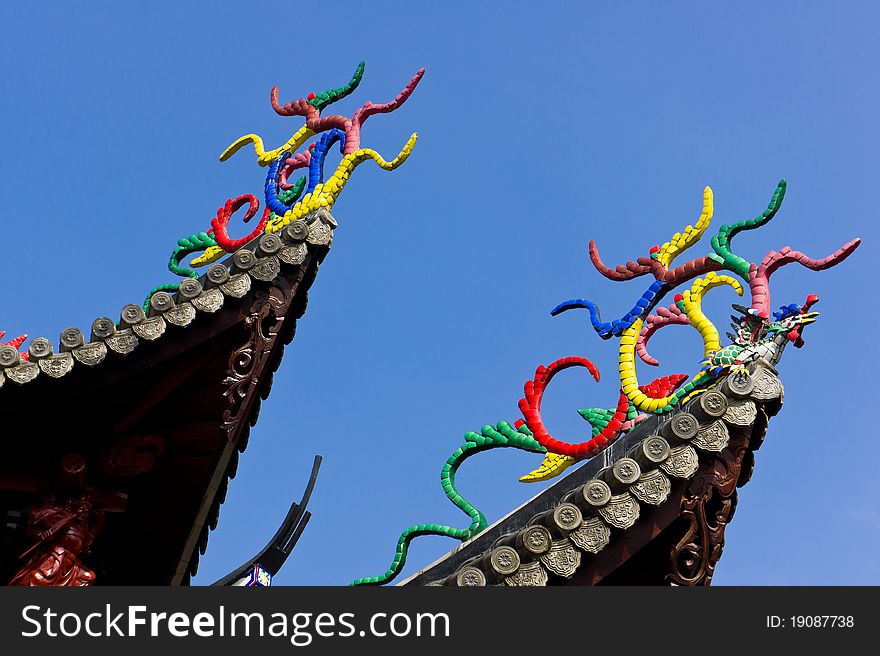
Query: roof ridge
(260,260)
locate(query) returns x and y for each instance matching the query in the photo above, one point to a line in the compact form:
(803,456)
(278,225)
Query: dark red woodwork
(159,432)
(680,542)
(64,532)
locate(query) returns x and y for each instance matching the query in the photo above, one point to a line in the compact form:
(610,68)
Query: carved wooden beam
(269,316)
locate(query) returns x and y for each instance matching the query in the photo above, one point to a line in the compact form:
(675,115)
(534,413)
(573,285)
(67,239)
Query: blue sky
(542,126)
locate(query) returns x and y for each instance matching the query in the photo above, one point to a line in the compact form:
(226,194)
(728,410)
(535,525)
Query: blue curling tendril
(616,327)
(272,201)
(316,165)
(316,171)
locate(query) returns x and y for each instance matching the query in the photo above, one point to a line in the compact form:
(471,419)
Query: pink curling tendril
(291,164)
(350,126)
(664,317)
(759,276)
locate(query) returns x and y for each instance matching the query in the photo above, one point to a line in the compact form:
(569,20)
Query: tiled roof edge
(583,513)
(259,260)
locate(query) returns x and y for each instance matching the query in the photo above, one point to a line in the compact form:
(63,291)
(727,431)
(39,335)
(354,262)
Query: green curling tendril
(321,100)
(489,437)
(501,435)
(290,196)
(721,242)
(169,287)
(185,246)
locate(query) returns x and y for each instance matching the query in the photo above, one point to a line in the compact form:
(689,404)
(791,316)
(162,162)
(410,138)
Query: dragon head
(788,322)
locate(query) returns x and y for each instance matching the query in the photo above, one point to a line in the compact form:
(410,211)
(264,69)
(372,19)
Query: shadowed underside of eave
(195,389)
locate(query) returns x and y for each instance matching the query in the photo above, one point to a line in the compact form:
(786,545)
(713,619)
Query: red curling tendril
(14,343)
(534,389)
(643,265)
(220,223)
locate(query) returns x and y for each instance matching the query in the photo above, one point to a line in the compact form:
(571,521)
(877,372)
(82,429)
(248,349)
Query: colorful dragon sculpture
(758,334)
(287,201)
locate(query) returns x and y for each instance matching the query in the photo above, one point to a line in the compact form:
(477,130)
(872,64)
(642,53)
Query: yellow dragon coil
(264,157)
(681,241)
(691,304)
(323,195)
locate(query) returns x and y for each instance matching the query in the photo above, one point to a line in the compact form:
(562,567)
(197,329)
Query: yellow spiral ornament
(691,304)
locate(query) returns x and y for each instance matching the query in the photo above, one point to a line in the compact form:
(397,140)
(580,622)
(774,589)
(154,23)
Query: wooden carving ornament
(132,455)
(707,506)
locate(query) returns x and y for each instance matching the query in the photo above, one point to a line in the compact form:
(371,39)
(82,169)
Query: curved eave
(169,374)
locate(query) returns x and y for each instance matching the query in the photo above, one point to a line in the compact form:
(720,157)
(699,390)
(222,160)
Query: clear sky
(542,126)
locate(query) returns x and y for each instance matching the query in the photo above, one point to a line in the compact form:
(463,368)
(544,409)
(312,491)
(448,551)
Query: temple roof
(158,406)
(134,427)
(229,280)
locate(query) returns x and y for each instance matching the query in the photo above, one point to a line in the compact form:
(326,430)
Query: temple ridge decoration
(756,346)
(295,216)
(289,202)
